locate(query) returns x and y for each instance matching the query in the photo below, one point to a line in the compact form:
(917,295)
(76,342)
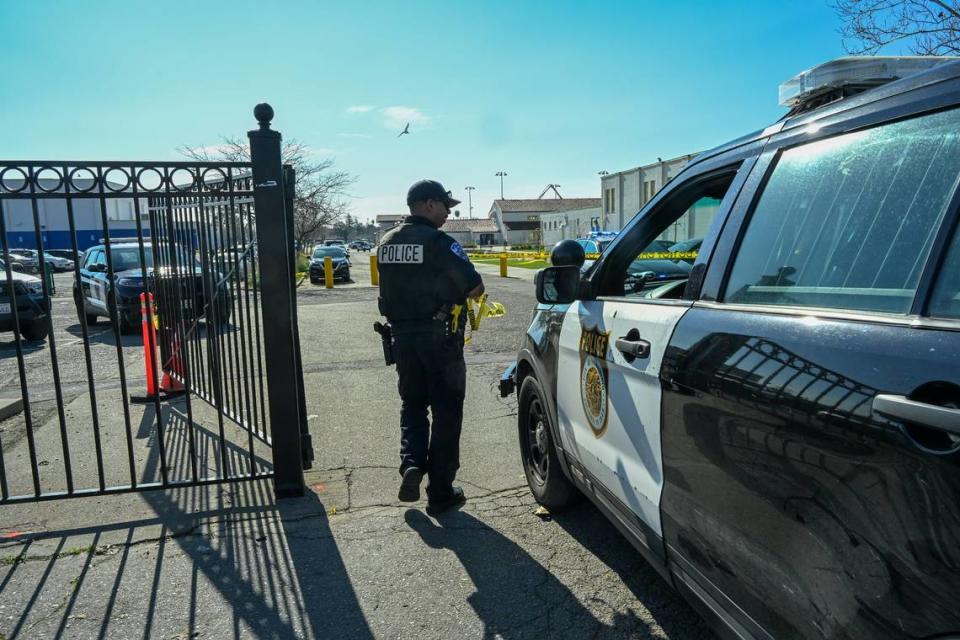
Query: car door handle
(633,348)
(928,415)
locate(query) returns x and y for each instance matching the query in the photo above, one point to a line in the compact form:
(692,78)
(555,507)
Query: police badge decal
(594,378)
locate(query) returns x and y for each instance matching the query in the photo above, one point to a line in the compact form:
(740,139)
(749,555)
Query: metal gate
(144,364)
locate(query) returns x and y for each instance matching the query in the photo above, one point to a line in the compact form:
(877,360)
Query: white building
(519,221)
(624,193)
(565,225)
(54,223)
(473,232)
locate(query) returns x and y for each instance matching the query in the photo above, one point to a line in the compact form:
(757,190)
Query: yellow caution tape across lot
(532,255)
(476,310)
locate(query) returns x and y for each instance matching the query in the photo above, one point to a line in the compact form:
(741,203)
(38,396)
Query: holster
(386,340)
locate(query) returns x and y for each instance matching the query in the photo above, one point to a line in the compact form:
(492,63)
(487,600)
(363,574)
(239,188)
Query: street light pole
(470,199)
(500,175)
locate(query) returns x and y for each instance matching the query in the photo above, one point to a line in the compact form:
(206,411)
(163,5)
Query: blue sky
(547,91)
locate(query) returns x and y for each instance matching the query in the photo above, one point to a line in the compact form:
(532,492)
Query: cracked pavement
(346,560)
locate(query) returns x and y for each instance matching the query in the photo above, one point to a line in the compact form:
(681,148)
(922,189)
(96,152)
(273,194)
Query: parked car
(338,243)
(14,266)
(33,308)
(361,245)
(341,264)
(239,259)
(778,433)
(69,254)
(58,263)
(28,263)
(97,295)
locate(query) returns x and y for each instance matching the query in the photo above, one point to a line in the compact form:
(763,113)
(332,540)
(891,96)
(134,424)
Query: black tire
(36,330)
(315,281)
(82,314)
(126,326)
(547,482)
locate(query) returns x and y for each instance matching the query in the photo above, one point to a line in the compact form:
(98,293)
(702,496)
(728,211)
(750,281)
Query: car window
(643,260)
(99,257)
(945,302)
(322,252)
(671,255)
(129,258)
(848,222)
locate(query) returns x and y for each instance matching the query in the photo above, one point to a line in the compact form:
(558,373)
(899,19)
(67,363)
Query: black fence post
(277,272)
(290,191)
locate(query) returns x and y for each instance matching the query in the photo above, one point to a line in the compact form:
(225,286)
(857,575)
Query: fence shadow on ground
(228,549)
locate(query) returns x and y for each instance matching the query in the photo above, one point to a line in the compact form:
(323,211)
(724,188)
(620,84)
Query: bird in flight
(405,130)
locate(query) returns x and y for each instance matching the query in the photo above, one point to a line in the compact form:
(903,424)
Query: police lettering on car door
(594,378)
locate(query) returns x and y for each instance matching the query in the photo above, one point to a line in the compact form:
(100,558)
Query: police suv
(778,431)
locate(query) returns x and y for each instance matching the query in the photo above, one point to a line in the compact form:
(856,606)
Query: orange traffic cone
(171,384)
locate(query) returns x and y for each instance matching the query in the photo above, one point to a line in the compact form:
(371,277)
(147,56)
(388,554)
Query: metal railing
(210,244)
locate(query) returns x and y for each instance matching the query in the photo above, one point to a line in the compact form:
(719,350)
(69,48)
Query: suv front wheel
(550,487)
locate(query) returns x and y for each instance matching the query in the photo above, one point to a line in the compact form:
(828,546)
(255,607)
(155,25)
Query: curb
(10,407)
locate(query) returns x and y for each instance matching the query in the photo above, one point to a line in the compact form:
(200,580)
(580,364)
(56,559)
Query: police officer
(423,274)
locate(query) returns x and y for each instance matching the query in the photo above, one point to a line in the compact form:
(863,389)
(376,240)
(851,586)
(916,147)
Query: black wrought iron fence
(188,263)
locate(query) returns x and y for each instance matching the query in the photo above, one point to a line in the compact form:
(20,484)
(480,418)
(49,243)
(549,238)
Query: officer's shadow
(516,596)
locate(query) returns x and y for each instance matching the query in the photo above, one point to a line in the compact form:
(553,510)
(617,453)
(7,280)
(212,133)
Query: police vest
(411,272)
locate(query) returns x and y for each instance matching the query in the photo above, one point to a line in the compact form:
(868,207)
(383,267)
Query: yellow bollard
(328,272)
(503,266)
(374,272)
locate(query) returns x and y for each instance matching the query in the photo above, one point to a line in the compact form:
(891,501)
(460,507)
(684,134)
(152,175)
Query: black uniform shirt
(422,270)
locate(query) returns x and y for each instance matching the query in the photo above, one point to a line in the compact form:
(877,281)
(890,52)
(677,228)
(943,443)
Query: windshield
(323,252)
(124,259)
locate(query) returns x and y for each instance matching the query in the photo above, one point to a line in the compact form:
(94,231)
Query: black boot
(438,505)
(410,485)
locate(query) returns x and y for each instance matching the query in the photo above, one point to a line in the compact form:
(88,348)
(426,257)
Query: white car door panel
(609,406)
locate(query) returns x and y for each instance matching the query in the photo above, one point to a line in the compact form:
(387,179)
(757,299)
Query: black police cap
(430,190)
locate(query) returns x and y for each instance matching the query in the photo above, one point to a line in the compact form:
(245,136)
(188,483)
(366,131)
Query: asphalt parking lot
(347,560)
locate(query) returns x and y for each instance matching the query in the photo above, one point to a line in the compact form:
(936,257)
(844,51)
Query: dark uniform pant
(431,374)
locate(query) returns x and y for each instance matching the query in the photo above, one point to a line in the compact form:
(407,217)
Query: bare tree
(928,27)
(321,191)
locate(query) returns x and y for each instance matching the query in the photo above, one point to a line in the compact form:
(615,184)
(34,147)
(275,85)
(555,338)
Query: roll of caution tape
(476,311)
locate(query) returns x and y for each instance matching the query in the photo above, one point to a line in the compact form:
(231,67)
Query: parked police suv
(109,284)
(778,432)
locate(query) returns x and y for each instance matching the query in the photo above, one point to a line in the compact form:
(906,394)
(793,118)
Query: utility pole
(500,175)
(470,200)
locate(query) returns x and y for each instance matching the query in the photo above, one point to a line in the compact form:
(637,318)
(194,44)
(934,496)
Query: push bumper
(508,380)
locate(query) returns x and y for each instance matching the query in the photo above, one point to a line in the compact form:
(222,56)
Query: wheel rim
(538,442)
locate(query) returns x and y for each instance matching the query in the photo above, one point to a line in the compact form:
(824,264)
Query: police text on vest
(401,254)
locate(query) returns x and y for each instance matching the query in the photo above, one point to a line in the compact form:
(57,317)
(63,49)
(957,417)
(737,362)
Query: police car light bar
(864,71)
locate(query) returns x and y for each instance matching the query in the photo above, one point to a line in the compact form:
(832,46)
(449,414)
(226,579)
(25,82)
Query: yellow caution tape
(526,255)
(455,322)
(477,310)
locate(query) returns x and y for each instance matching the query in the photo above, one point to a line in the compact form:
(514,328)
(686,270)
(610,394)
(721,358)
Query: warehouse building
(519,221)
(54,226)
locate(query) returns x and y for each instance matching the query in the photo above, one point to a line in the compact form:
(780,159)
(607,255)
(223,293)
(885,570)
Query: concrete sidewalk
(347,560)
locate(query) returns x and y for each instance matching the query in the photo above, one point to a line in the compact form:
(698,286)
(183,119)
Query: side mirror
(558,285)
(97,267)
